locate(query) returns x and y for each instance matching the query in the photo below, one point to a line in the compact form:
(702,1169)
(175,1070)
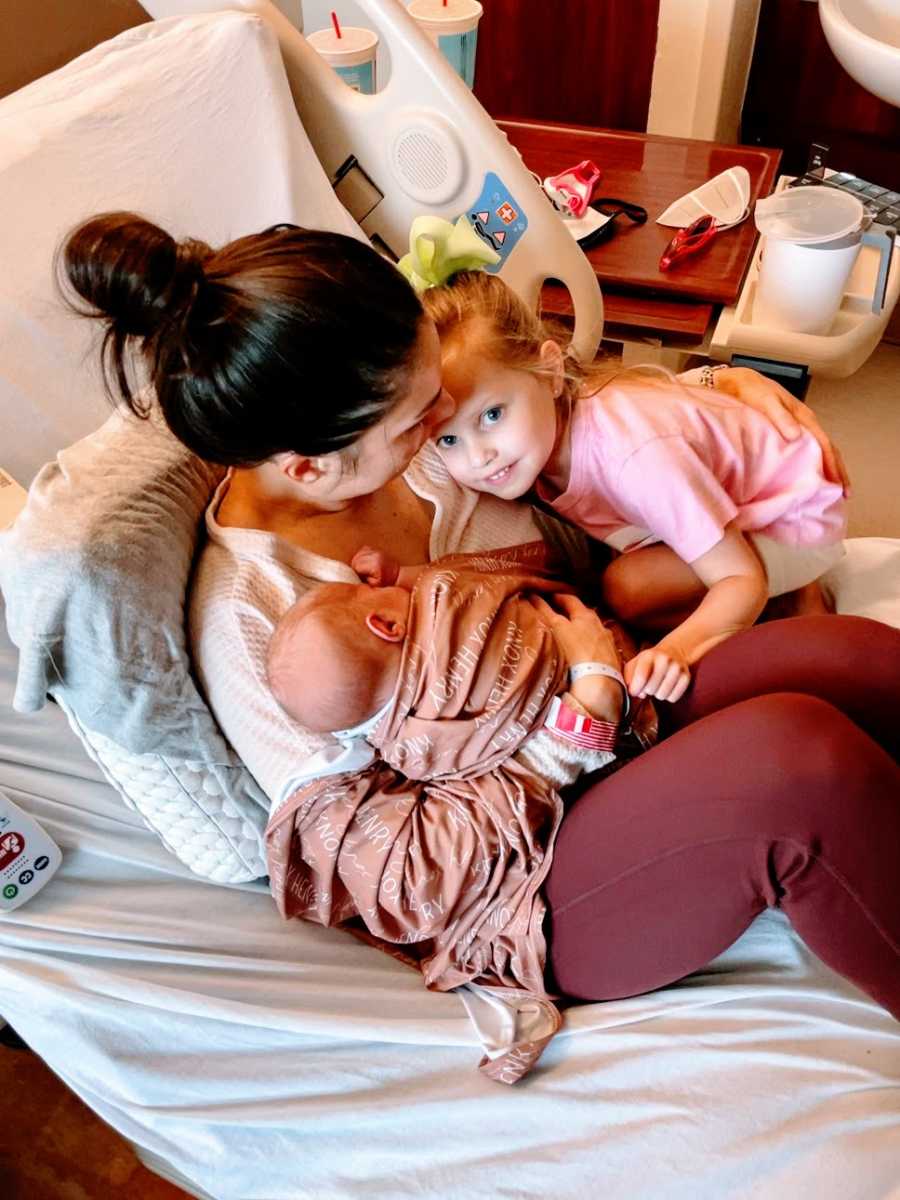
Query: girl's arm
(737,594)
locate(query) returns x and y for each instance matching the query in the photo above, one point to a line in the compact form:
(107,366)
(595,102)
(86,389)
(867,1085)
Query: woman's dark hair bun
(286,340)
(132,272)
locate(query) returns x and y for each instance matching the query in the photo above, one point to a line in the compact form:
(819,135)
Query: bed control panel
(29,857)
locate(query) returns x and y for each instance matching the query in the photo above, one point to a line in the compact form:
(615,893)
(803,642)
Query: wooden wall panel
(37,36)
(588,62)
(799,93)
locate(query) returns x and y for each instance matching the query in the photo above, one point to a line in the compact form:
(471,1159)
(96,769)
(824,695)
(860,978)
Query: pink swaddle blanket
(451,868)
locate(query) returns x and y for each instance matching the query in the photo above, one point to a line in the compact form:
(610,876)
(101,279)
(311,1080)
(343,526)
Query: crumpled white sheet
(265,1060)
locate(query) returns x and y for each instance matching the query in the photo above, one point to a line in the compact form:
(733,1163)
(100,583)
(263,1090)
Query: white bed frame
(423,145)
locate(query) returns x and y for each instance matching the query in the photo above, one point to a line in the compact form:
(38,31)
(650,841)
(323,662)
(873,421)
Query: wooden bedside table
(643,304)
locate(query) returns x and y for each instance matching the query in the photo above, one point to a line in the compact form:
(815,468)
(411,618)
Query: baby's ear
(385,626)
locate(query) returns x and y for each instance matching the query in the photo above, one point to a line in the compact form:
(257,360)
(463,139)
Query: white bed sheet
(262,1060)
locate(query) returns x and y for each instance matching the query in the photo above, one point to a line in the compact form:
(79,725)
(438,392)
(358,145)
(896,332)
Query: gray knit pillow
(95,574)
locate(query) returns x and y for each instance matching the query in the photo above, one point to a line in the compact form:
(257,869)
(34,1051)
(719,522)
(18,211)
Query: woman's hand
(374,567)
(582,637)
(788,414)
(658,671)
(579,632)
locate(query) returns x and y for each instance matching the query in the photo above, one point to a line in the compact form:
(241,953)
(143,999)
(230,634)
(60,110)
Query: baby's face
(504,429)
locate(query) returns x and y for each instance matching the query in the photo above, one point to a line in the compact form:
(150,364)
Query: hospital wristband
(583,669)
(587,732)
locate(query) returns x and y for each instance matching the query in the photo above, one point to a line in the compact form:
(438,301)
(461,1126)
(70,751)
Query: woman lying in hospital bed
(303,361)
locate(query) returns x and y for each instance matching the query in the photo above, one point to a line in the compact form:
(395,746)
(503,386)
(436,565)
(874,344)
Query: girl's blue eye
(446,441)
(492,415)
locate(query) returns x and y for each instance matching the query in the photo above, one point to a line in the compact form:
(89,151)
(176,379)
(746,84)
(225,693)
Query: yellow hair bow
(438,249)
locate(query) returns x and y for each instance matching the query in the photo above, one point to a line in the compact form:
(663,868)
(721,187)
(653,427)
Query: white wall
(703,54)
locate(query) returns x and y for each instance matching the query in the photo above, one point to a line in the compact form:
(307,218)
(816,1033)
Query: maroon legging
(780,786)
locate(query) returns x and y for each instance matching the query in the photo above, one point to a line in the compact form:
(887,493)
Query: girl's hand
(579,632)
(374,567)
(658,672)
(788,414)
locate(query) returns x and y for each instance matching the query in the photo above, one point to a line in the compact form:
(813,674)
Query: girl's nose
(483,456)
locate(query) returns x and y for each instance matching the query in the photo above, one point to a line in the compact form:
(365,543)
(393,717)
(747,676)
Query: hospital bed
(246,1058)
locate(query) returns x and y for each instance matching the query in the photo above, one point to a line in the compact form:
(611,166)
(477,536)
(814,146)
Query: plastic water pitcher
(813,236)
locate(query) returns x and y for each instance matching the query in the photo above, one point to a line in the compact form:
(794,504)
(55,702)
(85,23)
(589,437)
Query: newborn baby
(334,659)
(452,676)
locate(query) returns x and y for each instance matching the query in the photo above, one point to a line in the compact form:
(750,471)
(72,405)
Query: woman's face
(385,450)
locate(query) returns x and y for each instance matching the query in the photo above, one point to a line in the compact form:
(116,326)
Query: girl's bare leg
(652,589)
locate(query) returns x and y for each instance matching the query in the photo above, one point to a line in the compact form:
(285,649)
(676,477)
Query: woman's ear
(309,471)
(389,628)
(552,358)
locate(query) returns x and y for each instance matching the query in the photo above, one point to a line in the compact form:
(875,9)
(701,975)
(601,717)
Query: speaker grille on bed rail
(426,157)
(421,159)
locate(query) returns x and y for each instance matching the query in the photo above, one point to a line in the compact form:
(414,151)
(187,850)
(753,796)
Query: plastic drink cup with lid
(351,51)
(453,26)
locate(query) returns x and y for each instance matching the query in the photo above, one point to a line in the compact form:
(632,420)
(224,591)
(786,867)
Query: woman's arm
(789,415)
(737,595)
(582,637)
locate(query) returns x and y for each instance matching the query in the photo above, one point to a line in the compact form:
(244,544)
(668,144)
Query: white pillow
(866,582)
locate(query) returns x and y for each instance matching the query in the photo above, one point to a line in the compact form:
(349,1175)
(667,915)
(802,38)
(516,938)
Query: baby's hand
(658,672)
(374,567)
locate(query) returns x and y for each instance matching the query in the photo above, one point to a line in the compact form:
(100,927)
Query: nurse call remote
(28,856)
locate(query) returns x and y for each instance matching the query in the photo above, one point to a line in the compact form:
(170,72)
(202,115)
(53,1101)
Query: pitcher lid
(809,214)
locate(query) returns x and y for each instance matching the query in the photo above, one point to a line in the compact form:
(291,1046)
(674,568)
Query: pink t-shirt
(680,463)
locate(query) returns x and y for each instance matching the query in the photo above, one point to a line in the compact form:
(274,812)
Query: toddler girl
(748,514)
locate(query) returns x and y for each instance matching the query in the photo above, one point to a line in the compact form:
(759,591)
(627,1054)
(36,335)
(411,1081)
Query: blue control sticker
(497,218)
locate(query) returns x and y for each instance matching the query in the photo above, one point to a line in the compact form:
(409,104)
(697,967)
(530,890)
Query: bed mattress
(253,1059)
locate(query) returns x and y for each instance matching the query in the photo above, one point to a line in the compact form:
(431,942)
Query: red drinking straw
(336,24)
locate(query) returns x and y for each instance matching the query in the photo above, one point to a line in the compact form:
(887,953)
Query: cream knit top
(246,579)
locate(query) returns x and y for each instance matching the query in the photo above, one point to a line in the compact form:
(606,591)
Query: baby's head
(508,378)
(334,659)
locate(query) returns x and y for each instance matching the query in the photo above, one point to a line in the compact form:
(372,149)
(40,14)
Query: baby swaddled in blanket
(446,677)
(460,684)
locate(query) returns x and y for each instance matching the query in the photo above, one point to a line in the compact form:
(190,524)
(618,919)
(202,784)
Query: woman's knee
(850,662)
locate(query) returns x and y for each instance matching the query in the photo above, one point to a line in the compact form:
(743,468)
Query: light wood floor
(52,1147)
